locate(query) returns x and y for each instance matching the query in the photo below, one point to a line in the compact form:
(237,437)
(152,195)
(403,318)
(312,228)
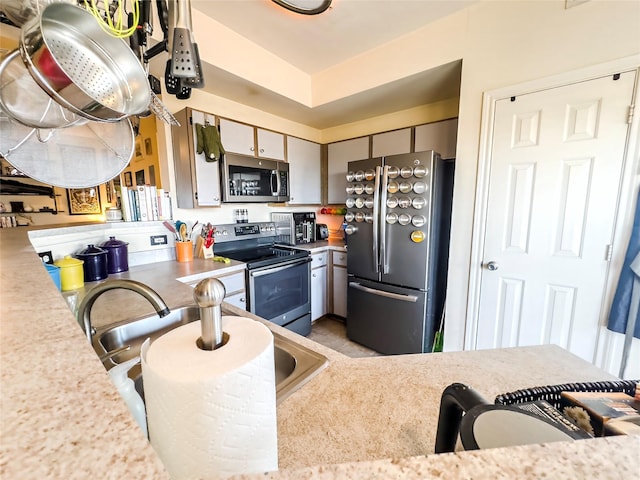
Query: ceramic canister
(95,263)
(71,273)
(117,255)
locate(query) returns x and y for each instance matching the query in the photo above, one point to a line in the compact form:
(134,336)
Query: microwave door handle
(376,220)
(274,173)
(278,183)
(384,260)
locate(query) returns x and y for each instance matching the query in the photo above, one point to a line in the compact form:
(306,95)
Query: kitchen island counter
(62,418)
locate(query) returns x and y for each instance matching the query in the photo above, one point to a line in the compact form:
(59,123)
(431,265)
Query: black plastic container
(95,263)
(117,255)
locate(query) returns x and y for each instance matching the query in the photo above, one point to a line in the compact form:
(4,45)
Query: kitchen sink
(295,364)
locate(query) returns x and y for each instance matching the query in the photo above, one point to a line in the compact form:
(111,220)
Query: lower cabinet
(318,285)
(234,285)
(339,283)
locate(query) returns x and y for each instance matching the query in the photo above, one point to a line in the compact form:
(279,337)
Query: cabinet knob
(262,150)
(251,149)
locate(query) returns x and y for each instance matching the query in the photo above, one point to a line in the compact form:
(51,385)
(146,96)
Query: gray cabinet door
(339,155)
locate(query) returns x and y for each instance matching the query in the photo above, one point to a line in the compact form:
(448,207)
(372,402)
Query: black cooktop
(265,255)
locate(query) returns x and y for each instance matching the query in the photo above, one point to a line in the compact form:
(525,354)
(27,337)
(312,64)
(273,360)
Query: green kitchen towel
(208,141)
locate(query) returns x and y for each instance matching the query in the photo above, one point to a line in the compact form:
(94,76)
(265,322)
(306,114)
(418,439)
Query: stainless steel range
(278,277)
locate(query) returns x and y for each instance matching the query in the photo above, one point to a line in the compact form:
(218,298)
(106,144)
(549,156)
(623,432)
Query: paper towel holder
(209,294)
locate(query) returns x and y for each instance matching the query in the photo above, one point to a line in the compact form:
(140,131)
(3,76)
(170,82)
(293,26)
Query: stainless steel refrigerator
(398,223)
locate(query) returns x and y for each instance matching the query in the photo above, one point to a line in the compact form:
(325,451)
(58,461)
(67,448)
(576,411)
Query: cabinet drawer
(237,300)
(339,258)
(318,259)
(233,283)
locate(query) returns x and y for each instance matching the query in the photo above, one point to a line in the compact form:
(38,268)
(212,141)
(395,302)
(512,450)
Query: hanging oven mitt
(208,141)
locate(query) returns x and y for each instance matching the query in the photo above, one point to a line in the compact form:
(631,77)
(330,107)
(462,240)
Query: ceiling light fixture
(306,7)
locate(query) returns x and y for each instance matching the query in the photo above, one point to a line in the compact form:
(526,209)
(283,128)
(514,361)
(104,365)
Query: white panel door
(556,163)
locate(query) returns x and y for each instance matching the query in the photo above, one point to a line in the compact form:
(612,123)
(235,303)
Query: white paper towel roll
(212,414)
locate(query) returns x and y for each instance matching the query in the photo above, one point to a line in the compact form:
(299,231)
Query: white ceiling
(314,43)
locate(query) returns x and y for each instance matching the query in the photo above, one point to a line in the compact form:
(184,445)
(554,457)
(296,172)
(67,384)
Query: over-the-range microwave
(250,179)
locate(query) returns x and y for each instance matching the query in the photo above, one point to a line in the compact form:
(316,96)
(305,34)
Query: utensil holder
(184,251)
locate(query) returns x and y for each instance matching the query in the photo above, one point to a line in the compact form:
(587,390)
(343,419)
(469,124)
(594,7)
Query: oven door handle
(270,270)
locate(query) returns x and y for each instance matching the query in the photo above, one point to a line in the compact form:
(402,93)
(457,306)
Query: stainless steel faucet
(84,310)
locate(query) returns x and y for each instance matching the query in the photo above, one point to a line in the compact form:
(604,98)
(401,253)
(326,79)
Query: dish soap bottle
(127,390)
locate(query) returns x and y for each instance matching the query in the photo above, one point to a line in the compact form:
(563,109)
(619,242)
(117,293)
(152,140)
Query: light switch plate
(158,240)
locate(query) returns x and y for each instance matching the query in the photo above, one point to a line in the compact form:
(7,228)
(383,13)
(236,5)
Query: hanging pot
(117,255)
(95,263)
(71,273)
(82,67)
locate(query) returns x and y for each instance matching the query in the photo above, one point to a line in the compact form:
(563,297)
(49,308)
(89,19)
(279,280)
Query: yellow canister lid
(68,261)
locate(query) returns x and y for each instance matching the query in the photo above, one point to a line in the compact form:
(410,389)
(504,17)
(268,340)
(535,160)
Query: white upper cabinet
(304,171)
(237,137)
(339,155)
(270,144)
(197,179)
(240,138)
(439,136)
(391,143)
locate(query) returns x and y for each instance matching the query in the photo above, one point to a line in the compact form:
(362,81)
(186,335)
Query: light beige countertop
(320,245)
(359,418)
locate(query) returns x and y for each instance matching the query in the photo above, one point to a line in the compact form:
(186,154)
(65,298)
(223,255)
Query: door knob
(492,266)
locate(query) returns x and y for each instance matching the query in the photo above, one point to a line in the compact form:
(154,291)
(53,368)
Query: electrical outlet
(158,240)
(46,257)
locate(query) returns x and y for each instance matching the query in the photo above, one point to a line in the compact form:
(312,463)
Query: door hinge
(608,253)
(632,108)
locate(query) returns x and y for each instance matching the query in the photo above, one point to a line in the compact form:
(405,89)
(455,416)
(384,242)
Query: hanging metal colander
(82,67)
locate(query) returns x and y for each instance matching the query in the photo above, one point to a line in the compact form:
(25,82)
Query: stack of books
(145,203)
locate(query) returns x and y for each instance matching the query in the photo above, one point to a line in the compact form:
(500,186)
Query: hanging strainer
(73,157)
(26,102)
(82,67)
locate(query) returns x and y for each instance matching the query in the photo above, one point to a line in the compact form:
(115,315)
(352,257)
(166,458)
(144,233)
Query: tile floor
(331,332)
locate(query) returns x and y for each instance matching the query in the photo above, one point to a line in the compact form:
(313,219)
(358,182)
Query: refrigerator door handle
(382,255)
(381,293)
(376,220)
